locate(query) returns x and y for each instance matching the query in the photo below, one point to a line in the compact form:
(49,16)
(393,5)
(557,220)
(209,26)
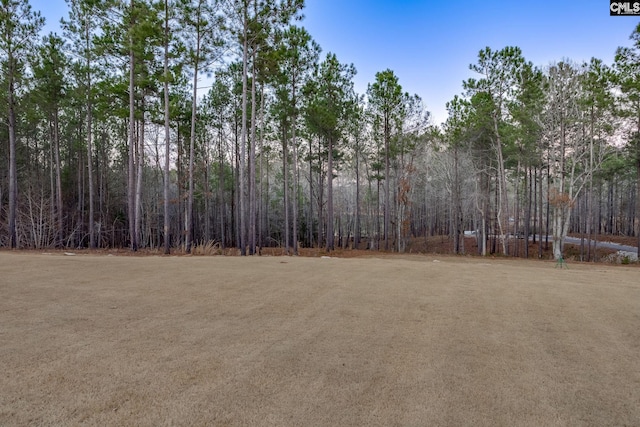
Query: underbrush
(433,245)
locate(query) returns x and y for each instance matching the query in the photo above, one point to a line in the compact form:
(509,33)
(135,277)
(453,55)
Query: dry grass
(209,247)
(411,340)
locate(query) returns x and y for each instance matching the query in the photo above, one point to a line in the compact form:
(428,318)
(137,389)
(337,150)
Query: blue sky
(430,44)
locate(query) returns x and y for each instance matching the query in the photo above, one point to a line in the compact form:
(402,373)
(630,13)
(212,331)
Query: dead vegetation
(410,340)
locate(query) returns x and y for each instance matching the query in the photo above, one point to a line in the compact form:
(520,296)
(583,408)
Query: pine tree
(19,26)
(327,114)
(49,71)
(499,71)
(296,56)
(201,27)
(385,104)
(627,65)
(252,22)
(80,28)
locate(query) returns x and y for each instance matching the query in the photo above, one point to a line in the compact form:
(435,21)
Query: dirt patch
(411,340)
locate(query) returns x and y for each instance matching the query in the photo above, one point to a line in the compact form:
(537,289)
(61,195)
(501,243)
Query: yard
(309,341)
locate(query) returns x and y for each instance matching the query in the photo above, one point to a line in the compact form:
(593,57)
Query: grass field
(284,341)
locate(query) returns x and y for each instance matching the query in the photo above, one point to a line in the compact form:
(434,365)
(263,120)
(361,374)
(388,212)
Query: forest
(173,124)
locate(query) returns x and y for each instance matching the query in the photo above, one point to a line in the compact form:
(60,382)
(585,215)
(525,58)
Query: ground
(390,340)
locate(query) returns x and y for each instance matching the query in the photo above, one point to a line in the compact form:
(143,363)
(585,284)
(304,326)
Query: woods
(170,124)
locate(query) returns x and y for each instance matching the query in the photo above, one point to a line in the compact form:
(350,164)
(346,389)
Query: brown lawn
(283,341)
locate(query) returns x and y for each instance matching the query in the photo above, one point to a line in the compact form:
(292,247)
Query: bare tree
(566,148)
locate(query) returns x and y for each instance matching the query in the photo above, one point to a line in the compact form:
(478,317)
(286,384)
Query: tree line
(170,124)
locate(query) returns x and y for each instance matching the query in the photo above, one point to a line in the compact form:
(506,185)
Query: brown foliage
(560,199)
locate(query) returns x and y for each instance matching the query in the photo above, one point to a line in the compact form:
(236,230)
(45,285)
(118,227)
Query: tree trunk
(80,205)
(59,207)
(310,217)
(558,242)
(503,201)
(92,239)
(387,201)
(321,218)
(243,140)
(194,110)
(207,193)
(540,215)
(458,237)
(294,216)
(378,241)
(260,197)
(221,201)
(52,188)
(140,167)
(180,187)
(237,190)
(330,233)
(13,179)
(560,209)
(167,133)
(527,219)
(285,189)
(637,228)
(356,234)
(516,213)
(132,143)
(252,163)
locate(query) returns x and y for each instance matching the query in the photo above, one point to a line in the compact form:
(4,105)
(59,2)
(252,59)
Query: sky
(429,45)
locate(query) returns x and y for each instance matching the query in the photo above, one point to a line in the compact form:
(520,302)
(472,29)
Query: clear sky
(430,44)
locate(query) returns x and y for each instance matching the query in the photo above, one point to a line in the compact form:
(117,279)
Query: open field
(396,340)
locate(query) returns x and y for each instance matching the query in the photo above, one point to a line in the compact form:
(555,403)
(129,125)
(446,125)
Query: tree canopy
(198,126)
